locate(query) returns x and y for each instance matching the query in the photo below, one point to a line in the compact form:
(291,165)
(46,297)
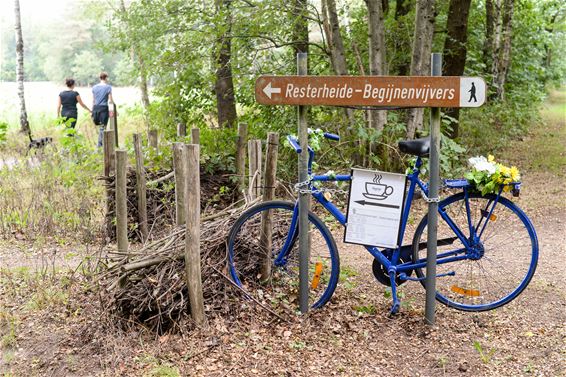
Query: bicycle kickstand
(396,302)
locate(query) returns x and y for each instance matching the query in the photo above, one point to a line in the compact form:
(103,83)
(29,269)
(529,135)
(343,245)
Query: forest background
(196,62)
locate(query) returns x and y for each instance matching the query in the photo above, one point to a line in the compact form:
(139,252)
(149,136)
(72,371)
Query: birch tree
(455,50)
(377,64)
(420,59)
(24,123)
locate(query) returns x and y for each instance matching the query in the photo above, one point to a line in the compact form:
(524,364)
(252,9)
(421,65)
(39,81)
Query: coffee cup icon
(377,190)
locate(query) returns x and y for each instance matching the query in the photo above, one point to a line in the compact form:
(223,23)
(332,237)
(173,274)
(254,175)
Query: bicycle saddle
(418,147)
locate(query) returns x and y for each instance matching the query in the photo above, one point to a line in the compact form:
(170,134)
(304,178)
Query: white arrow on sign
(268,90)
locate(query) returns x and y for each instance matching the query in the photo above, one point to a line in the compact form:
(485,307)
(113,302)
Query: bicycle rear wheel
(246,249)
(499,265)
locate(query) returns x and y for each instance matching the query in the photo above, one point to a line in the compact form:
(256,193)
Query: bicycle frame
(392,265)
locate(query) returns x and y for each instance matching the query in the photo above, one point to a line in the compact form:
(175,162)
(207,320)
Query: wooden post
(179,160)
(141,188)
(192,236)
(113,120)
(121,203)
(181,130)
(195,135)
(152,139)
(109,163)
(268,194)
(109,168)
(241,156)
(254,156)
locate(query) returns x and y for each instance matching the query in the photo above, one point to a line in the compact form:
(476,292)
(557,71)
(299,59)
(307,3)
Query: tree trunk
(337,52)
(455,50)
(24,123)
(385,6)
(489,28)
(402,8)
(300,27)
(137,58)
(547,49)
(505,56)
(420,61)
(143,82)
(224,87)
(496,49)
(377,119)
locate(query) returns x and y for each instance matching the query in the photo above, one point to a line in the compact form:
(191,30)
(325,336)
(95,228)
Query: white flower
(480,163)
(476,160)
(486,166)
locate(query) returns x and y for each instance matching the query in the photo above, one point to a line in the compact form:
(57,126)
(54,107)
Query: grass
(8,329)
(548,143)
(485,356)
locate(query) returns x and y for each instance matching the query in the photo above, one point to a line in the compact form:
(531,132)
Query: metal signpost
(434,180)
(434,91)
(304,198)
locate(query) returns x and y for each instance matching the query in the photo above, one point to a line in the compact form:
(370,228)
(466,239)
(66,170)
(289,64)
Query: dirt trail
(352,335)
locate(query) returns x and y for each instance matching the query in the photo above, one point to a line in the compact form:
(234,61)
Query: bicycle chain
(299,188)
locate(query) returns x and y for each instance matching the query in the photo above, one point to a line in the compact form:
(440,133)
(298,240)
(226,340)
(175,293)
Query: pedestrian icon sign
(472,91)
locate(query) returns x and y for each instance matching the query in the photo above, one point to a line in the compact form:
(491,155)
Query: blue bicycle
(487,246)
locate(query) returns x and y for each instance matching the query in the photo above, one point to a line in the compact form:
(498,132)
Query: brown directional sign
(381,91)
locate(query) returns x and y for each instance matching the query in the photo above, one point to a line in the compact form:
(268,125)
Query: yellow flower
(507,188)
(504,170)
(490,158)
(514,172)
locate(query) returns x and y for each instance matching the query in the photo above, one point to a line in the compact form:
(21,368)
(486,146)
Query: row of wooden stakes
(186,172)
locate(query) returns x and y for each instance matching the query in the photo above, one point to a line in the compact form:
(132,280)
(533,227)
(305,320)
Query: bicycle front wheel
(254,242)
(500,262)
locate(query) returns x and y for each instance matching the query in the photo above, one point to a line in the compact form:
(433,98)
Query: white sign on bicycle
(375,206)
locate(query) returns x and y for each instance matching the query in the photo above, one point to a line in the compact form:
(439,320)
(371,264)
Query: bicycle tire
(281,290)
(497,276)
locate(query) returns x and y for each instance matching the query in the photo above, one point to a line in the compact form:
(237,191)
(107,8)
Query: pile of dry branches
(160,200)
(148,285)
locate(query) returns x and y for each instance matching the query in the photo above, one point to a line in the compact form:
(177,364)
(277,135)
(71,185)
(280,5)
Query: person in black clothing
(67,106)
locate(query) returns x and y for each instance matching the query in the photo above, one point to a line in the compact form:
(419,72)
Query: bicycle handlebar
(330,136)
(295,143)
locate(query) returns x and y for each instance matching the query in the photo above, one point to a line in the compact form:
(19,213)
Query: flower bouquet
(487,176)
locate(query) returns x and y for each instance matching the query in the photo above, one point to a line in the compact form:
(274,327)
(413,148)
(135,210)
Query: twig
(164,178)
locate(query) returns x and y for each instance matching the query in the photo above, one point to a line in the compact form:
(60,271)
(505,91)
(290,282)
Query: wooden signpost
(434,91)
(382,91)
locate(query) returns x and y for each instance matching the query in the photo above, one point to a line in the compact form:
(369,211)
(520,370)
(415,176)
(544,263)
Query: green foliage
(484,356)
(86,66)
(58,194)
(3,132)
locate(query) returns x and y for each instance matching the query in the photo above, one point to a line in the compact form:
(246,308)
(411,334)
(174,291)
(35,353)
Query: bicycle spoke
(489,278)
